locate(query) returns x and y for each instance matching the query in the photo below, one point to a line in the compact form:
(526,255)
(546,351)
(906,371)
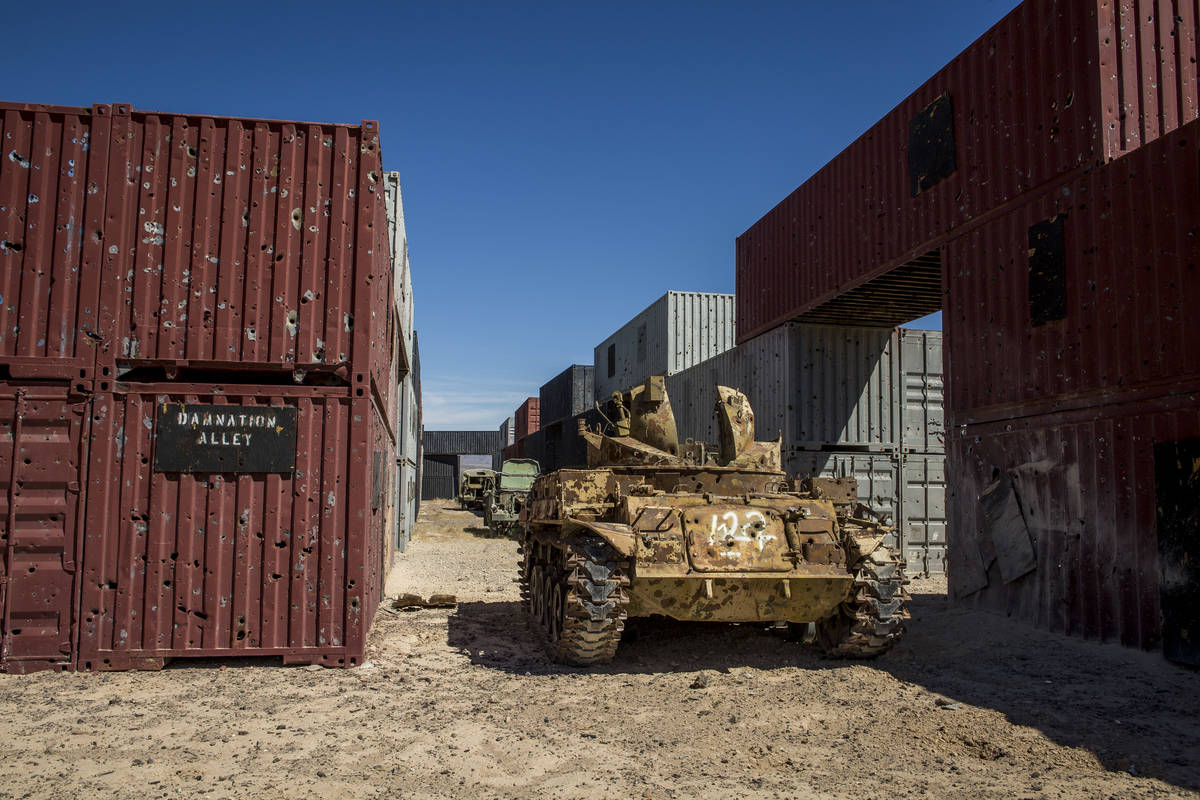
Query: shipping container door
(922,396)
(924,513)
(40,455)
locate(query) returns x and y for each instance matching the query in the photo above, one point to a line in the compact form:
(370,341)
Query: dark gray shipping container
(437,477)
(568,393)
(452,443)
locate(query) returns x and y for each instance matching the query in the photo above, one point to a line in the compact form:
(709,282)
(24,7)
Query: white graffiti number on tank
(727,528)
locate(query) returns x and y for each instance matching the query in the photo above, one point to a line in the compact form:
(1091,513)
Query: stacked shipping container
(676,331)
(211,301)
(1077,400)
(1056,87)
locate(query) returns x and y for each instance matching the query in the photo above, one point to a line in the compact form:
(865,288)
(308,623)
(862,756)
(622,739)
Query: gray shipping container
(825,387)
(508,432)
(675,332)
(567,394)
(911,488)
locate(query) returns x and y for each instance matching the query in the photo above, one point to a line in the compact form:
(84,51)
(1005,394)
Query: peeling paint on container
(233,277)
(51,238)
(248,564)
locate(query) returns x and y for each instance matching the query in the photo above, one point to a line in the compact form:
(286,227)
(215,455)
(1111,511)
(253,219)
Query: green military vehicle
(473,486)
(701,532)
(502,505)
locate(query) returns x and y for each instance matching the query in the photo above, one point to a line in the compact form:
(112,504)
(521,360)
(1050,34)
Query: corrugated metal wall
(1069,407)
(566,394)
(456,442)
(1128,291)
(44,431)
(825,385)
(678,330)
(49,268)
(197,564)
(402,292)
(246,241)
(437,478)
(1085,484)
(528,417)
(1056,86)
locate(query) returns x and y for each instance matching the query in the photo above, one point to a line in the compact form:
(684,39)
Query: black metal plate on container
(200,438)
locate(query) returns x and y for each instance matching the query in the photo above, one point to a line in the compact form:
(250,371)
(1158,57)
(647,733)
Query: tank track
(873,620)
(575,592)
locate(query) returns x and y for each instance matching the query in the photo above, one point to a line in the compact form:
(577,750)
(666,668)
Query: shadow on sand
(1133,710)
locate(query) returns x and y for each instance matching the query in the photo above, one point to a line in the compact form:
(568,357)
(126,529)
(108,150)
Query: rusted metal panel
(1084,481)
(528,417)
(237,244)
(1115,298)
(1147,64)
(217,564)
(1032,102)
(43,443)
(53,172)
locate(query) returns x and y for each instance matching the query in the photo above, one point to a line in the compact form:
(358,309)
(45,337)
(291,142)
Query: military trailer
(705,532)
(502,506)
(473,485)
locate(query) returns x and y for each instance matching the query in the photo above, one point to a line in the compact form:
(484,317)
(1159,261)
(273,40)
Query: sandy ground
(461,702)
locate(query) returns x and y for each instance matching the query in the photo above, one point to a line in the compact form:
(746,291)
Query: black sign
(192,438)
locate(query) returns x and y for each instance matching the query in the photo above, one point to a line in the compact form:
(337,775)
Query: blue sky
(564,164)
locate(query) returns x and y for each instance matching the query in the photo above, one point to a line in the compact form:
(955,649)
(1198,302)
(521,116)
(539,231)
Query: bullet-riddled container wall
(54,161)
(187,553)
(1055,88)
(242,245)
(44,429)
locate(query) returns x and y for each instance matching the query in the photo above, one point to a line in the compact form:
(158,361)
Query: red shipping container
(528,417)
(43,435)
(53,171)
(1084,559)
(287,559)
(1055,87)
(1109,316)
(239,244)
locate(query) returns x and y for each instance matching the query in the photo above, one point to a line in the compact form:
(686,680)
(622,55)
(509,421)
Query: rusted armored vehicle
(473,485)
(701,532)
(502,505)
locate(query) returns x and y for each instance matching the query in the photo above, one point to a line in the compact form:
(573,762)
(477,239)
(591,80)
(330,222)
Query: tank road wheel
(872,621)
